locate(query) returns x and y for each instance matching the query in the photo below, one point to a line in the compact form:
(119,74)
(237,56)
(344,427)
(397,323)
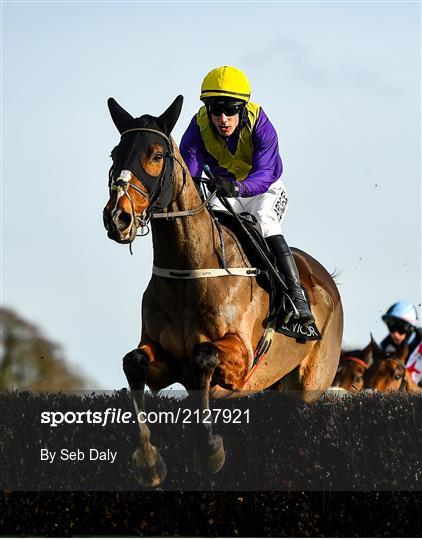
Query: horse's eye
(397,377)
(157,157)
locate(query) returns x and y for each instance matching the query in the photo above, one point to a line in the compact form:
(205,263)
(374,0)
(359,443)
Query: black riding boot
(287,266)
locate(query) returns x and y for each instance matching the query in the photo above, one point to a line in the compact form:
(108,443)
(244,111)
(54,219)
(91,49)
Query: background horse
(202,332)
(352,368)
(388,372)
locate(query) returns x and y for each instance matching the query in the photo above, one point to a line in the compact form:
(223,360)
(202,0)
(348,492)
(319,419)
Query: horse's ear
(121,118)
(402,351)
(376,350)
(370,352)
(170,116)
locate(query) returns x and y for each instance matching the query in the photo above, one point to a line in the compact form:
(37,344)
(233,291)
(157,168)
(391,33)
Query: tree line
(31,361)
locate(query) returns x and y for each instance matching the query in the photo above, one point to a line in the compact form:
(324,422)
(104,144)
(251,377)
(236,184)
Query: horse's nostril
(122,220)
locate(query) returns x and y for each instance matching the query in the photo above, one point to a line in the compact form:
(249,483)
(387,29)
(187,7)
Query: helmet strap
(243,117)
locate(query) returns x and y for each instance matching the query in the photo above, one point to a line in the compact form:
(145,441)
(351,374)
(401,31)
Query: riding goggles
(228,110)
(400,328)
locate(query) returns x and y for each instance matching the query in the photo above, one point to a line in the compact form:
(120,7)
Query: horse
(200,328)
(352,368)
(388,372)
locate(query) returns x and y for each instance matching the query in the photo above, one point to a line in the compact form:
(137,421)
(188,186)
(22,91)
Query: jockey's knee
(270,226)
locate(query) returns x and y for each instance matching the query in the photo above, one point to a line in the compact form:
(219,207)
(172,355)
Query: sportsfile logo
(118,416)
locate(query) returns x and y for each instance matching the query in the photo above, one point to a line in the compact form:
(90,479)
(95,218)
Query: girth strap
(204,272)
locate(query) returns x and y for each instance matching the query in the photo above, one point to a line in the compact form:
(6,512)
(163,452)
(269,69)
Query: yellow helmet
(226,81)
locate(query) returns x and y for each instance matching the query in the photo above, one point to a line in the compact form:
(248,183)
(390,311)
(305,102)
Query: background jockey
(403,325)
(236,139)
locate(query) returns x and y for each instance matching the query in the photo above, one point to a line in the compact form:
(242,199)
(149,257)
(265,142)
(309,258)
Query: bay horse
(202,330)
(352,368)
(388,372)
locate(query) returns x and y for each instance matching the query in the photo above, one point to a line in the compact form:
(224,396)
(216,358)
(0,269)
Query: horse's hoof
(149,472)
(210,462)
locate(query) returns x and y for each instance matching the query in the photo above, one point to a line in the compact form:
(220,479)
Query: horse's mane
(335,275)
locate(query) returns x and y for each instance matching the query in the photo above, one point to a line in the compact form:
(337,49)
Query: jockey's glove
(225,187)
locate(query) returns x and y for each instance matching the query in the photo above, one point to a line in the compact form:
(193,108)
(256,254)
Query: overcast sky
(340,81)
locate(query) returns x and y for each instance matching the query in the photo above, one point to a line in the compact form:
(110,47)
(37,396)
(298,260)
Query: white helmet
(402,311)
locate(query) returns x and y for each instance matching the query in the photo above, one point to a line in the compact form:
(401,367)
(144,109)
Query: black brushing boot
(287,266)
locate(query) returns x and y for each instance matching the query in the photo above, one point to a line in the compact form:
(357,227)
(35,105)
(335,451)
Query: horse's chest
(187,314)
(177,331)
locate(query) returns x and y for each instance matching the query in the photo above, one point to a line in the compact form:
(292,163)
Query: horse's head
(388,372)
(141,177)
(350,371)
(352,367)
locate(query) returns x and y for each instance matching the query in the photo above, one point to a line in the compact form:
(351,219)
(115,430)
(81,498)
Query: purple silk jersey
(266,162)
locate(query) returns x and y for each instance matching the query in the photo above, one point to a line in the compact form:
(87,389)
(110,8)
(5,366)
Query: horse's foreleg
(209,449)
(226,361)
(151,468)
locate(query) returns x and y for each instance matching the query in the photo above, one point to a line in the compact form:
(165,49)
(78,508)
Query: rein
(122,184)
(184,213)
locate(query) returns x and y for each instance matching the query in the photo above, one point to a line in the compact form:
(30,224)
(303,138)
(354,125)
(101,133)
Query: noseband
(121,184)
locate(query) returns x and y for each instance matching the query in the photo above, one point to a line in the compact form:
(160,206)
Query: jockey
(235,138)
(403,326)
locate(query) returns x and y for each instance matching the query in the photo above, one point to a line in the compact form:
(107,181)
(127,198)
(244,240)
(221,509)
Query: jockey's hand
(224,187)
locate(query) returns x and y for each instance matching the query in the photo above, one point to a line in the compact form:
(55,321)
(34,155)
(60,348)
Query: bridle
(402,366)
(356,360)
(403,380)
(122,184)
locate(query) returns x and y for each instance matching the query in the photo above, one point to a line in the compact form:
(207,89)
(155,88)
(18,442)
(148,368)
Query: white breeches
(268,208)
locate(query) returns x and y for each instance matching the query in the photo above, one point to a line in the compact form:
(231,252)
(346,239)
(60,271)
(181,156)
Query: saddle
(278,312)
